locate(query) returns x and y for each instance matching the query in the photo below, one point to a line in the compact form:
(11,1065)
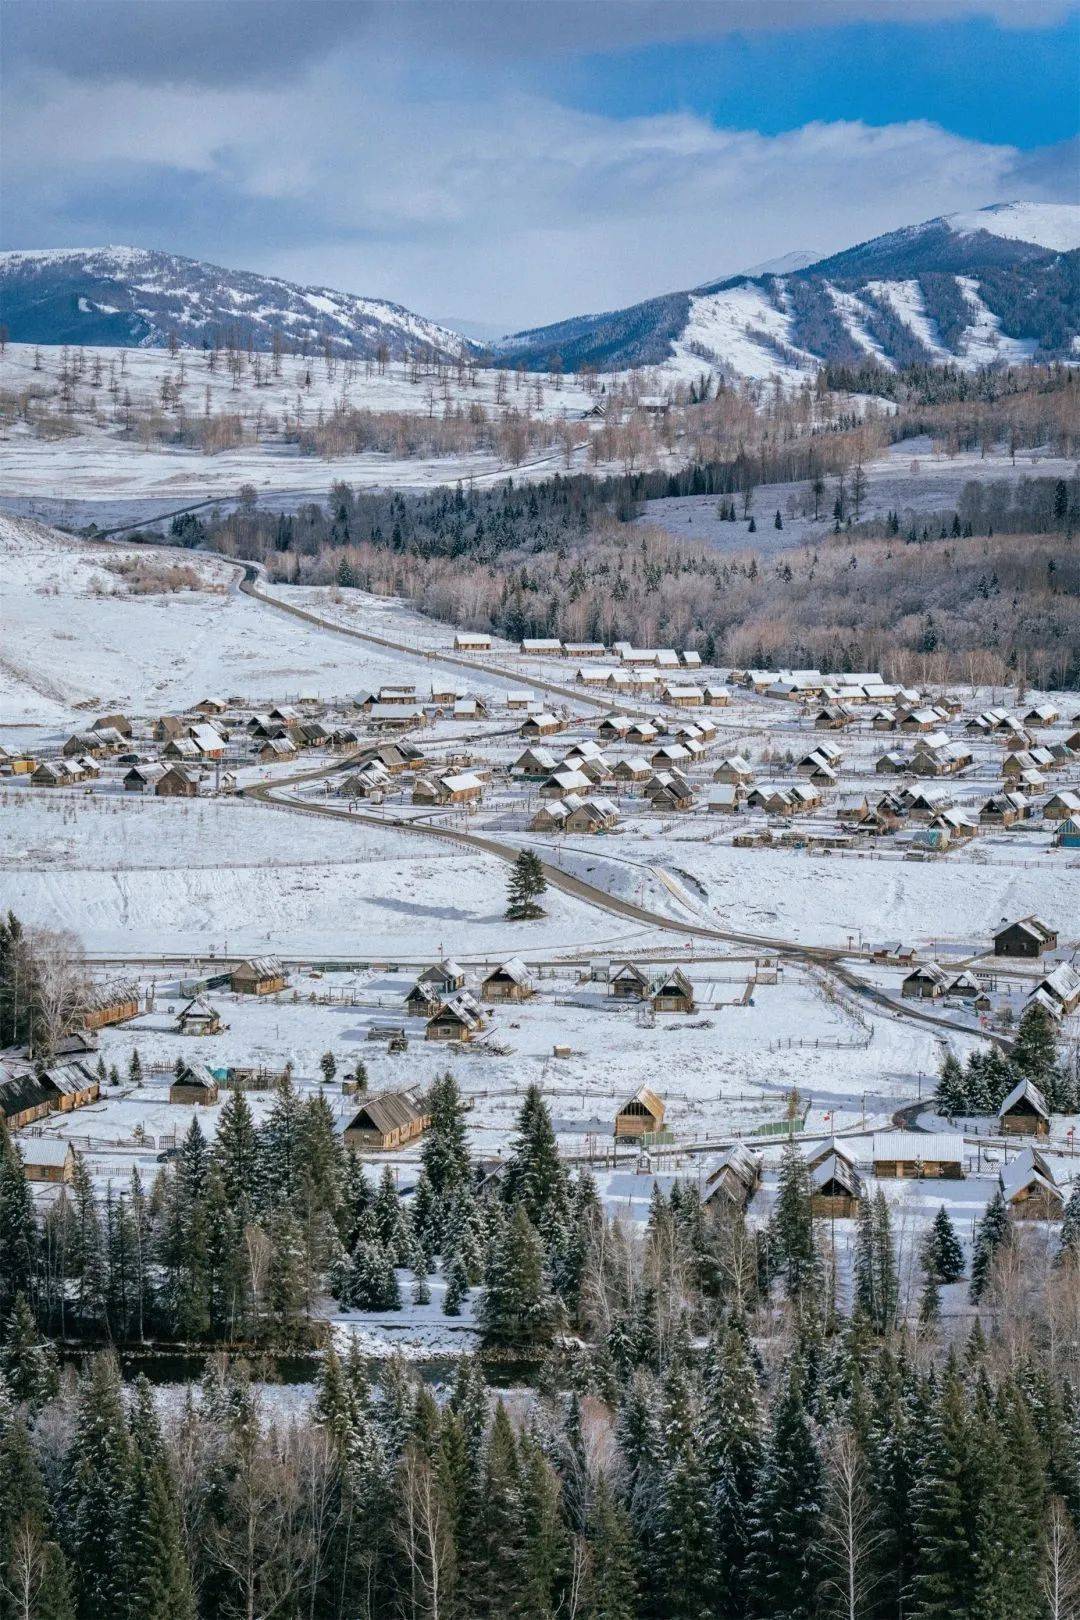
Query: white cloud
(517,210)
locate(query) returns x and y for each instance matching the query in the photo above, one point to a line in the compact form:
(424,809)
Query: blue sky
(971,76)
(511,162)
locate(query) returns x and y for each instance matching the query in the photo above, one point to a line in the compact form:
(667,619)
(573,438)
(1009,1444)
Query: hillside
(999,283)
(137,297)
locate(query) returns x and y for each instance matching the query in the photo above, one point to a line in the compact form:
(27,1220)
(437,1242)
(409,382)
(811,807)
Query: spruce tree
(611,1584)
(27,1362)
(501,1528)
(685,1548)
(236,1152)
(457,1287)
(731,1437)
(943,1254)
(18,1229)
(1035,1052)
(793,1227)
(158,1577)
(535,1176)
(526,886)
(517,1309)
(784,1566)
(942,1506)
(992,1236)
(95,1493)
(328,1068)
(545,1556)
(1069,1237)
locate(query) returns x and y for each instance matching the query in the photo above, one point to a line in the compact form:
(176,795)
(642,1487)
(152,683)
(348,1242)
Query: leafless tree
(848,1525)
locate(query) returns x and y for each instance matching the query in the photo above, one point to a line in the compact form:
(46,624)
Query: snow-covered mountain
(139,297)
(995,284)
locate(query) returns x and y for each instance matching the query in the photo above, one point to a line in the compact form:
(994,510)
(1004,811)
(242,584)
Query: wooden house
(672,992)
(836,1188)
(613,728)
(47,1158)
(275,750)
(735,768)
(734,1178)
(918,1155)
(539,725)
(1060,990)
(212,707)
(641,1114)
(455,787)
(387,1120)
(1027,937)
(1024,1112)
(629,982)
(562,782)
(634,769)
(534,764)
(73,1082)
(926,982)
(110,1004)
(258,976)
(178,782)
(717,697)
(444,977)
(142,777)
(1061,805)
(194,1084)
(24,1095)
(1005,809)
(511,981)
(113,722)
(198,1018)
(1029,1187)
(593,816)
(456,1019)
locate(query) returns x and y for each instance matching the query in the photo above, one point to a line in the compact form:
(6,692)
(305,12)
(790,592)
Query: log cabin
(1024,1112)
(511,981)
(1027,937)
(194,1085)
(918,1155)
(258,976)
(387,1120)
(640,1115)
(110,1004)
(47,1158)
(1029,1187)
(672,992)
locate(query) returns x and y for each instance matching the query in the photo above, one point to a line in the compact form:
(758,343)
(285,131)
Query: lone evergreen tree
(517,1308)
(527,884)
(992,1235)
(943,1255)
(328,1066)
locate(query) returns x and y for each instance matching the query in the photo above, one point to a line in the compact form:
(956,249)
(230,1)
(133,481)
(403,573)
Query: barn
(918,1155)
(1030,1189)
(24,1095)
(640,1114)
(198,1018)
(258,976)
(194,1084)
(178,782)
(511,981)
(1028,936)
(47,1158)
(733,1179)
(835,1185)
(672,992)
(630,983)
(110,1004)
(1024,1112)
(387,1119)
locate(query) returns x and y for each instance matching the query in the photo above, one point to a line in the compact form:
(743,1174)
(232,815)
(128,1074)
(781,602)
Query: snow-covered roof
(938,1146)
(1024,1091)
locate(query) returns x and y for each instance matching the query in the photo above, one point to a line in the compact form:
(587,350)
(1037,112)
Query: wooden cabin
(47,1158)
(110,1004)
(198,1018)
(386,1120)
(629,982)
(24,1095)
(458,1019)
(836,1187)
(927,982)
(734,1178)
(1024,1112)
(1030,1188)
(471,641)
(918,1155)
(1028,937)
(258,976)
(509,982)
(74,1083)
(194,1084)
(178,782)
(443,977)
(539,725)
(672,992)
(641,1114)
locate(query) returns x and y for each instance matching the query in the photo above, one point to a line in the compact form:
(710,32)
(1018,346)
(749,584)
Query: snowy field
(75,638)
(909,478)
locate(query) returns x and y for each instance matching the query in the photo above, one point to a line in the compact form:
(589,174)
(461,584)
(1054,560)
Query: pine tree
(951,1094)
(793,1226)
(135,1070)
(784,1566)
(941,1509)
(535,1176)
(328,1068)
(526,887)
(27,1362)
(279,1144)
(457,1287)
(18,1229)
(545,1550)
(444,1152)
(943,1254)
(421,1292)
(611,1585)
(236,1152)
(501,1525)
(1010,1513)
(731,1424)
(95,1492)
(876,1285)
(158,1580)
(287,1285)
(685,1548)
(992,1236)
(1035,1053)
(517,1308)
(1069,1238)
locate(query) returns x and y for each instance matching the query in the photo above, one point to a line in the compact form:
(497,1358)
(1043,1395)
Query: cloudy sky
(510,162)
